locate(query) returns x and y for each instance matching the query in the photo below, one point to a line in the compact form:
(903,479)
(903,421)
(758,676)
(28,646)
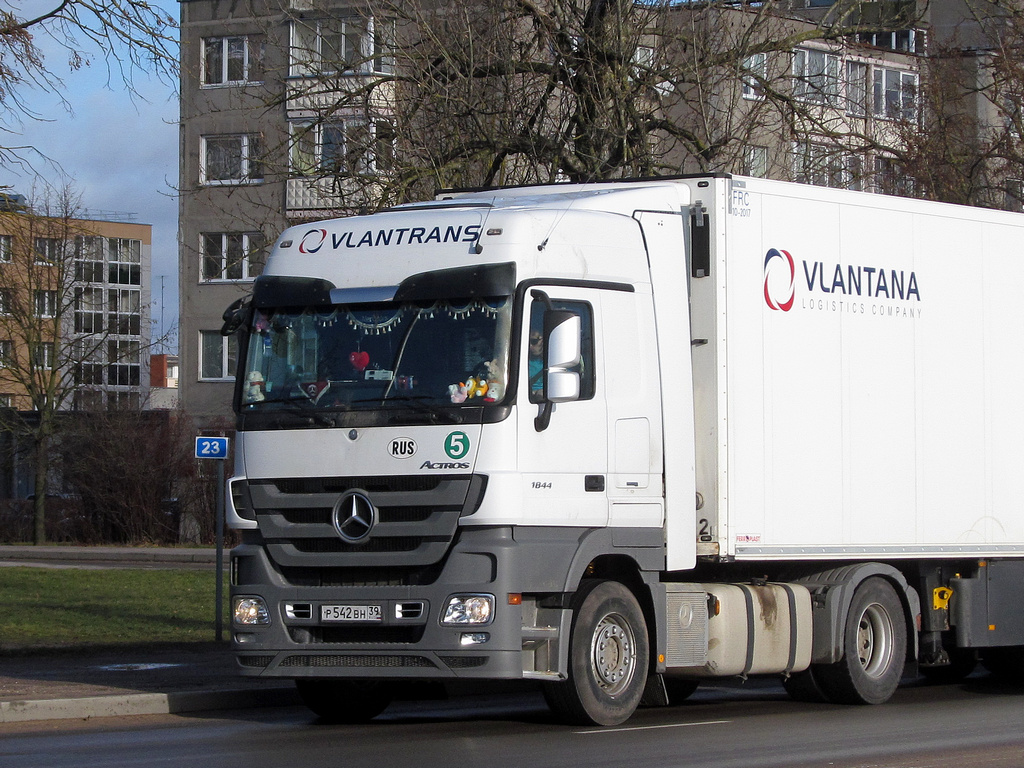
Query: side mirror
(235,316)
(563,332)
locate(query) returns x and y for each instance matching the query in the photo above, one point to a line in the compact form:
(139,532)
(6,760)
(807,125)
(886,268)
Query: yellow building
(74,321)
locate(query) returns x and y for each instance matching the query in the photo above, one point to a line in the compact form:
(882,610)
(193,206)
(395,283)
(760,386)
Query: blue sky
(120,153)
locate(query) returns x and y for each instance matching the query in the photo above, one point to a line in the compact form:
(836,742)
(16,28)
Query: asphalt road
(977,724)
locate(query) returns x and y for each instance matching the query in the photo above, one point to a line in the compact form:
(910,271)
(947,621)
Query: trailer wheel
(608,657)
(345,701)
(875,648)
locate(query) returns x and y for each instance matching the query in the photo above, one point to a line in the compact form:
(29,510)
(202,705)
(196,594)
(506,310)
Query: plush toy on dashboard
(495,385)
(458,393)
(254,387)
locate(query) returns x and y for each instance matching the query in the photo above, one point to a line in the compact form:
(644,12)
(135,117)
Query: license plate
(351,613)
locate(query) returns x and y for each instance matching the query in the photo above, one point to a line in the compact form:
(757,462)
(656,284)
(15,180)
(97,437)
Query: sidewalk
(135,680)
(131,681)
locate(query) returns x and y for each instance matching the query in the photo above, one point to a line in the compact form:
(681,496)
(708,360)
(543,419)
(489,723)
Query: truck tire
(345,701)
(875,641)
(608,657)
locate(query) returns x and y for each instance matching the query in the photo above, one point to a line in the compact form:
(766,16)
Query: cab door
(563,458)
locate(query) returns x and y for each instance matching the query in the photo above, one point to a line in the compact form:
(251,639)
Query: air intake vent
(298,610)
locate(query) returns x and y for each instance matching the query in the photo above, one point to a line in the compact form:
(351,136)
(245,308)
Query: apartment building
(250,160)
(74,293)
(258,153)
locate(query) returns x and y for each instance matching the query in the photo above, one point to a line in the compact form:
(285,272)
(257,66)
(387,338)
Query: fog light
(251,610)
(468,609)
(474,638)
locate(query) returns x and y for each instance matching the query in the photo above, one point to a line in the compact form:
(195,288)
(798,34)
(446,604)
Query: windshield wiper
(293,406)
(417,403)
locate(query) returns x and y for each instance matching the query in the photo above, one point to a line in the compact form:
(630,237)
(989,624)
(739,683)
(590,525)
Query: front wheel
(608,657)
(875,639)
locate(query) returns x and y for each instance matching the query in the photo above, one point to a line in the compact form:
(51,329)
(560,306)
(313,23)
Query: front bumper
(408,640)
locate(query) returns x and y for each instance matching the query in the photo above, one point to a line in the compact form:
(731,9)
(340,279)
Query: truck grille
(416,521)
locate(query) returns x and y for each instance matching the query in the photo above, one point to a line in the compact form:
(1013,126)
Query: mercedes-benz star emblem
(354,517)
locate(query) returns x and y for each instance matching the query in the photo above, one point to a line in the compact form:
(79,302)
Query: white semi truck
(619,438)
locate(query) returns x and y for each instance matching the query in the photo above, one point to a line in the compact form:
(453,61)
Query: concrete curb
(126,705)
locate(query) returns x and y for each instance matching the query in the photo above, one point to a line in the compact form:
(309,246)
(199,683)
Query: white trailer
(622,437)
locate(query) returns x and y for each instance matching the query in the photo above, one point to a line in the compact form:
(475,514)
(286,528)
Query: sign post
(217,448)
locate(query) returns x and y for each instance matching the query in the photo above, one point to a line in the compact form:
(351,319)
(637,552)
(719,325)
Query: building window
(6,301)
(348,44)
(341,147)
(894,93)
(820,164)
(755,161)
(88,400)
(218,356)
(124,312)
(754,73)
(88,365)
(232,159)
(124,401)
(1014,195)
(232,255)
(231,60)
(817,76)
(6,401)
(123,363)
(903,40)
(48,251)
(857,88)
(6,249)
(890,178)
(44,355)
(88,259)
(125,261)
(88,310)
(46,303)
(6,353)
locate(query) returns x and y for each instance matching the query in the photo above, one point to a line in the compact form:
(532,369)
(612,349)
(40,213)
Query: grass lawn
(62,607)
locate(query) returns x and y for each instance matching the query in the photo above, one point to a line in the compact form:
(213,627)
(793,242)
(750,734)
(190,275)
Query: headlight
(251,610)
(468,609)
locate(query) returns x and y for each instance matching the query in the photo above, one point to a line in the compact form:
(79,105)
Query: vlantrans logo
(850,288)
(315,239)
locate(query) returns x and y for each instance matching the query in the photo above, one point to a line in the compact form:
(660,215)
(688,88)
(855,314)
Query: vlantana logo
(779,280)
(312,241)
(849,288)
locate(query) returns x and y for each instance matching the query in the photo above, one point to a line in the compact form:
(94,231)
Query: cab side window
(535,354)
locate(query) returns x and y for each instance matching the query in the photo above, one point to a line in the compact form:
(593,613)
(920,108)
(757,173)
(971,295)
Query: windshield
(369,357)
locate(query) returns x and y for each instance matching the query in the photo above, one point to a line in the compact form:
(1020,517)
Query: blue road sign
(211,447)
